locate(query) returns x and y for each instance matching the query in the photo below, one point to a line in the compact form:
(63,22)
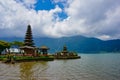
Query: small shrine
(29,48)
(65,54)
(44,50)
(65,51)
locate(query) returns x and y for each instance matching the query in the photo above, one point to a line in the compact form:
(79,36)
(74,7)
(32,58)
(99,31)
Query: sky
(61,18)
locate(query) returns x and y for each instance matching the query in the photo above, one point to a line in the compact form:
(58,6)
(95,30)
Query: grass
(30,58)
(27,58)
(2,57)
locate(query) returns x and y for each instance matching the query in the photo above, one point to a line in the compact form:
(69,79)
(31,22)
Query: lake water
(89,67)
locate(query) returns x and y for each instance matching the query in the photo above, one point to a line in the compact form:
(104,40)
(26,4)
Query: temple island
(65,54)
(29,52)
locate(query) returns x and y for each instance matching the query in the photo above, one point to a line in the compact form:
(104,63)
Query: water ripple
(90,67)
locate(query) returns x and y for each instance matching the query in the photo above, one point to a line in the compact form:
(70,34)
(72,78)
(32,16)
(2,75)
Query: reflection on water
(30,70)
(26,71)
(89,67)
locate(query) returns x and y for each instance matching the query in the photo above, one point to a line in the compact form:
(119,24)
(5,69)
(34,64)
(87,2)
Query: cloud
(14,19)
(92,18)
(27,3)
(105,37)
(101,17)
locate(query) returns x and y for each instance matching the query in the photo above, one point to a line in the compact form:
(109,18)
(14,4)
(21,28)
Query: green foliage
(17,43)
(30,58)
(26,58)
(2,57)
(3,45)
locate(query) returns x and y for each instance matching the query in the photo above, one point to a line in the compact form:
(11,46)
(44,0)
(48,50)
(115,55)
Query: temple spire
(28,37)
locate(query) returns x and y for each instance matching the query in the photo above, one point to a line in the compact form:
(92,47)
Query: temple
(65,51)
(29,52)
(65,54)
(28,37)
(44,50)
(29,48)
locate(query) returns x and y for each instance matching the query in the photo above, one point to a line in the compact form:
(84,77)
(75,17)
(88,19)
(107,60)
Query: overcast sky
(60,18)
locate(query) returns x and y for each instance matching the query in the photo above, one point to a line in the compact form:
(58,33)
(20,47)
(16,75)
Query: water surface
(89,67)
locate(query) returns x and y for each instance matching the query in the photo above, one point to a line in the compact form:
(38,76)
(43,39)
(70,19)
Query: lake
(89,67)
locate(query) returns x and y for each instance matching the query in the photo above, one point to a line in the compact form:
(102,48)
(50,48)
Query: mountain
(79,44)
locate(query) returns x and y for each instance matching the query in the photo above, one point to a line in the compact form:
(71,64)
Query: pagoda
(29,48)
(28,37)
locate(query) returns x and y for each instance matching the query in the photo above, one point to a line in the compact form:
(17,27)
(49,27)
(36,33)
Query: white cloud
(94,18)
(101,17)
(14,19)
(28,3)
(104,37)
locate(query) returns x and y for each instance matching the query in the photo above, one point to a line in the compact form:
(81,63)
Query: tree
(17,43)
(4,45)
